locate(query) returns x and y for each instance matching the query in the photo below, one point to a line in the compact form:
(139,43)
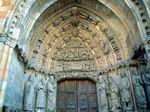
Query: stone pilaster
(6,49)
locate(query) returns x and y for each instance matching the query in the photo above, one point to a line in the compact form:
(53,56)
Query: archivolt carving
(77,21)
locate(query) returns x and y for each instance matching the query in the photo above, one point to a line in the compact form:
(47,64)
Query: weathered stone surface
(74,39)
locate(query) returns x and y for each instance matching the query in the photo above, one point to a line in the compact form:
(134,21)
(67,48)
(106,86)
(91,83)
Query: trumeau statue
(41,95)
(51,94)
(125,93)
(114,95)
(103,101)
(138,89)
(29,94)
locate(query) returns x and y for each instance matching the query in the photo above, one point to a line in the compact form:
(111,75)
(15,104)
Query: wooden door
(76,96)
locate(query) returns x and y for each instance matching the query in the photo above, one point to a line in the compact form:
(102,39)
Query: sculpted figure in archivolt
(51,91)
(29,92)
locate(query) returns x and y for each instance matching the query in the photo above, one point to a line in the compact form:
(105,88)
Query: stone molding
(7,40)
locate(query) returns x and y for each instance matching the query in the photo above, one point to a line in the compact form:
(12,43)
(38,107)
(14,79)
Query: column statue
(125,93)
(41,95)
(103,95)
(139,91)
(146,79)
(51,87)
(29,92)
(114,94)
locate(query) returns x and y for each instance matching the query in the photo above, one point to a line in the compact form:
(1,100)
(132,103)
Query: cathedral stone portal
(75,56)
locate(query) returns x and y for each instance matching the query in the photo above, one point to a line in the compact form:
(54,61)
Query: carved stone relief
(75,21)
(145,76)
(77,74)
(114,92)
(125,88)
(51,97)
(29,94)
(40,94)
(138,89)
(103,93)
(113,89)
(41,91)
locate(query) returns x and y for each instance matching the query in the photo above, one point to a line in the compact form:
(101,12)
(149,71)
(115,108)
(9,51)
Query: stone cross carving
(51,94)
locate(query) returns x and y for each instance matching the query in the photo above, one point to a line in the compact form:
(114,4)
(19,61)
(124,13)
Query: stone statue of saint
(41,95)
(103,95)
(29,93)
(115,98)
(51,88)
(125,93)
(146,79)
(139,91)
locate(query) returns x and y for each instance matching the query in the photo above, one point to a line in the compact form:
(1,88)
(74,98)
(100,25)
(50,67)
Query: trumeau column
(6,48)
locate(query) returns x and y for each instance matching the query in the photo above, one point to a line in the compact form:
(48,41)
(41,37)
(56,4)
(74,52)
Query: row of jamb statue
(40,94)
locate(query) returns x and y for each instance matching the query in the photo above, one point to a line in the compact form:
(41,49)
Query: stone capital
(7,40)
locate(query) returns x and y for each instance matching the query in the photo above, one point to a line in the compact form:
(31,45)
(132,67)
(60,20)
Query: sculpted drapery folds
(138,89)
(146,79)
(51,94)
(41,95)
(29,92)
(125,92)
(102,94)
(114,96)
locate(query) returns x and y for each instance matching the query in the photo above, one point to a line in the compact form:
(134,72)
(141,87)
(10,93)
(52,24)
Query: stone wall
(15,88)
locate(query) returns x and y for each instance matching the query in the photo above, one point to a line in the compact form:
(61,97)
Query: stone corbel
(7,40)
